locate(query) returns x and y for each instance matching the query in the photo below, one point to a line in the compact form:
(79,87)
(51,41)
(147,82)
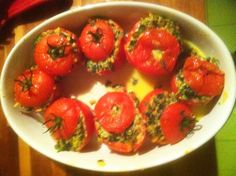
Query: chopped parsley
(155,107)
(73,143)
(153,21)
(130,135)
(185,92)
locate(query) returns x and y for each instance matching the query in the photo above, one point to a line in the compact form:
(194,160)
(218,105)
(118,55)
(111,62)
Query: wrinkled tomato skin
(153,39)
(38,93)
(171,121)
(62,65)
(203,77)
(115,122)
(97,40)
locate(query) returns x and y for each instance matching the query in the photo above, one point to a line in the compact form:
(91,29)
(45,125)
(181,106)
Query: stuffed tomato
(198,81)
(151,108)
(101,43)
(71,123)
(34,88)
(153,46)
(168,121)
(119,123)
(56,51)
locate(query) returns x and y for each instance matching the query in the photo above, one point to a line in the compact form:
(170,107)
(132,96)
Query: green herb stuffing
(185,92)
(128,136)
(154,21)
(212,60)
(58,51)
(73,143)
(154,110)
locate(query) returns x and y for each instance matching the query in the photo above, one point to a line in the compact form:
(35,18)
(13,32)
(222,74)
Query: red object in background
(13,8)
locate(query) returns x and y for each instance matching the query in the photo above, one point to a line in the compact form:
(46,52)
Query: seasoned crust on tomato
(128,141)
(199,81)
(151,21)
(151,108)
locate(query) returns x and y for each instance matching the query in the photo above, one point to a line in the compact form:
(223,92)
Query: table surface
(17,158)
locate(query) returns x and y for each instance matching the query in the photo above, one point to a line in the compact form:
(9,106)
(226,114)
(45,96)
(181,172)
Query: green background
(221,17)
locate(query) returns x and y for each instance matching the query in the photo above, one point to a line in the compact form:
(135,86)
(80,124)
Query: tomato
(33,88)
(97,40)
(176,122)
(115,111)
(119,123)
(101,43)
(56,51)
(63,117)
(203,77)
(155,52)
(151,108)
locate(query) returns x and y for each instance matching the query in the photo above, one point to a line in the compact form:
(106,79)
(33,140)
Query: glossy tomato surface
(115,111)
(33,88)
(97,40)
(155,52)
(176,122)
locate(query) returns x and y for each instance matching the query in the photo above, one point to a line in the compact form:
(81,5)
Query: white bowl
(125,13)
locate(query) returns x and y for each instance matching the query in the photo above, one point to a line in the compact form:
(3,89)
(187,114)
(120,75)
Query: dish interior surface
(87,87)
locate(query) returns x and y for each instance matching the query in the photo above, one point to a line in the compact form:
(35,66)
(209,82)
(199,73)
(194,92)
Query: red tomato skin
(141,56)
(103,111)
(38,93)
(65,109)
(101,49)
(62,65)
(203,77)
(171,120)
